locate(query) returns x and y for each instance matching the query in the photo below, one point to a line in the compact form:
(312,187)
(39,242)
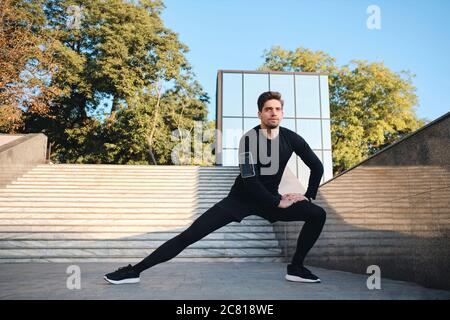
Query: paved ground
(199,281)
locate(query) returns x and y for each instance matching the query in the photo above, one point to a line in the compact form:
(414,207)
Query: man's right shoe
(300,274)
(123,275)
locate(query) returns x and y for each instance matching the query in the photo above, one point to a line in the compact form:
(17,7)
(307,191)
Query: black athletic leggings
(217,217)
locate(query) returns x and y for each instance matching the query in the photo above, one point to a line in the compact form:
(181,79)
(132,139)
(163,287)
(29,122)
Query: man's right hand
(284,203)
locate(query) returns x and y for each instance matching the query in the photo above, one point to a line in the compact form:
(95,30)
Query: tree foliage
(26,63)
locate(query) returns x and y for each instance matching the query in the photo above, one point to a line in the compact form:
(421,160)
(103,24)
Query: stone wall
(20,153)
(391,210)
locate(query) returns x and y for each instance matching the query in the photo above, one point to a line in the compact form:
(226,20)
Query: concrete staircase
(92,213)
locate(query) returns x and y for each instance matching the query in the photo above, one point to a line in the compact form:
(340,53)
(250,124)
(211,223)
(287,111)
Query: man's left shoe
(300,274)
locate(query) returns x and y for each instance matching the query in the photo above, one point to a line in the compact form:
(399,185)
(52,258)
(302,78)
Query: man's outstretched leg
(211,220)
(314,217)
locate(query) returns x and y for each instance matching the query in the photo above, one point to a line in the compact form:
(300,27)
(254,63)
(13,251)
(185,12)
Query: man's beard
(271,125)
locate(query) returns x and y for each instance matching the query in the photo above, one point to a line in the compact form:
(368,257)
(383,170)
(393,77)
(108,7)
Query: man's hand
(284,203)
(288,199)
(295,197)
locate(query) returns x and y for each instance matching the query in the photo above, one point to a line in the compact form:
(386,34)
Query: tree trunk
(114,105)
(155,121)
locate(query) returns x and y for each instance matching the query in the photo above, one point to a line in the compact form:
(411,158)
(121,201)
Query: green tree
(370,105)
(126,138)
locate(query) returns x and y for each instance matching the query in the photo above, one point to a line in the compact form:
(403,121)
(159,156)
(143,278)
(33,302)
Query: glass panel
(288,123)
(307,95)
(284,84)
(232,94)
(230,157)
(327,165)
(231,132)
(254,85)
(326,131)
(324,96)
(250,123)
(309,129)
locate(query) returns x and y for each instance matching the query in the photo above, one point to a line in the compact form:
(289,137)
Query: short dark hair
(269,95)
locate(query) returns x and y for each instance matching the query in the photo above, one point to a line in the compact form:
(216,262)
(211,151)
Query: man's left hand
(295,197)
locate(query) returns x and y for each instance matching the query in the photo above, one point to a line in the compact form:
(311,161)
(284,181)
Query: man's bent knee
(318,214)
(321,214)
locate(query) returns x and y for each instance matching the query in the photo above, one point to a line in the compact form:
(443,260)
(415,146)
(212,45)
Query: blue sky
(232,34)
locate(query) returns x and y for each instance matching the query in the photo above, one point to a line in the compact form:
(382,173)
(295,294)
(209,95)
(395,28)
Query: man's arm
(250,173)
(303,150)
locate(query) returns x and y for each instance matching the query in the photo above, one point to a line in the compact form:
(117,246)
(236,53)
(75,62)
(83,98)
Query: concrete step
(139,188)
(163,181)
(121,174)
(119,222)
(105,202)
(125,178)
(136,259)
(125,170)
(92,204)
(111,216)
(124,200)
(132,167)
(132,252)
(91,194)
(174,220)
(139,178)
(203,204)
(132,244)
(137,218)
(158,236)
(115,183)
(201,244)
(232,227)
(87,167)
(110,194)
(87,210)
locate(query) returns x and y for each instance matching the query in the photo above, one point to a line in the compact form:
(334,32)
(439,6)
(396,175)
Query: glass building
(306,111)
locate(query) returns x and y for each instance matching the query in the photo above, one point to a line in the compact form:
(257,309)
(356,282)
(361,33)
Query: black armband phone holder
(246,165)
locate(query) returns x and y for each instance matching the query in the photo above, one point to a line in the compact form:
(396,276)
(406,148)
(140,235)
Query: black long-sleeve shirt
(262,188)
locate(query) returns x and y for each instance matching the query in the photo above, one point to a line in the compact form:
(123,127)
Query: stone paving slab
(199,281)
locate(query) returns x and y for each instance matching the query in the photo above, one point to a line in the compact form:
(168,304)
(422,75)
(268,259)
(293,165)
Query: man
(255,192)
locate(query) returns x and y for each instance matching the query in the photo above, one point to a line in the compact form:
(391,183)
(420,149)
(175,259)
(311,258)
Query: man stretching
(255,192)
